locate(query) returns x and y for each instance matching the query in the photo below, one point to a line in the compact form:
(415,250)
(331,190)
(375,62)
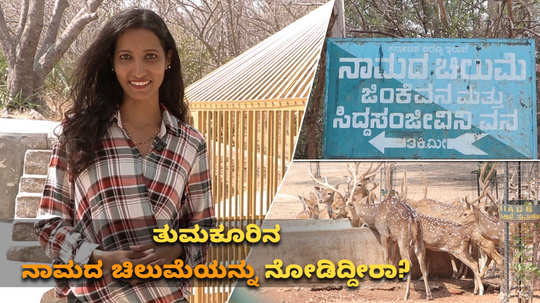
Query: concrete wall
(319,242)
(17,136)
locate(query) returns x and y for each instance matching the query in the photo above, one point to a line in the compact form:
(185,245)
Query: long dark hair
(97,95)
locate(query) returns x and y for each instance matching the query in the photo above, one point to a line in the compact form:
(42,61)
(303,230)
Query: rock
(32,183)
(455,291)
(23,231)
(35,115)
(26,205)
(12,151)
(27,254)
(36,162)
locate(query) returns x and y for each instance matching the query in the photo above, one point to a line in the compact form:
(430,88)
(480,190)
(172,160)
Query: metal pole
(315,168)
(520,282)
(506,285)
(535,238)
(381,190)
(477,173)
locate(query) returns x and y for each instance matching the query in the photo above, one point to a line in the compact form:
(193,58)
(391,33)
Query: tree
(208,34)
(444,18)
(30,55)
(220,30)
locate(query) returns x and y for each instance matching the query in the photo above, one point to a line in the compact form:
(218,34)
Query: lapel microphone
(159,144)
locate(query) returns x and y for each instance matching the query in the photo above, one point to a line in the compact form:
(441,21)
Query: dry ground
(379,292)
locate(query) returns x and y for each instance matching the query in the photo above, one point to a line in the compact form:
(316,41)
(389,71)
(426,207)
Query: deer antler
(403,194)
(484,183)
(326,184)
(425,182)
(388,179)
(358,184)
(371,171)
(354,180)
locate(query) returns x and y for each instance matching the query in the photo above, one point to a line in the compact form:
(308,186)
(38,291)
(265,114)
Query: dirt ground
(379,292)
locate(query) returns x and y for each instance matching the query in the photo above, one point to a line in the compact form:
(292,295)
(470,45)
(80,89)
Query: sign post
(519,211)
(430,99)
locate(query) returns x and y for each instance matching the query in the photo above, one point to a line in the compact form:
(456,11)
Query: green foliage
(58,79)
(524,268)
(56,89)
(3,80)
(193,56)
(434,19)
(18,102)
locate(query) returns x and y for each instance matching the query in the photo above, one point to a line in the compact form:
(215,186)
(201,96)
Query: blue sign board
(430,99)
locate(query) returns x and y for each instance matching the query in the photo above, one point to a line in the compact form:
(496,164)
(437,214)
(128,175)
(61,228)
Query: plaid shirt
(117,202)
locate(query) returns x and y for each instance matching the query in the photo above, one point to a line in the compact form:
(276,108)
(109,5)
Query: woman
(126,163)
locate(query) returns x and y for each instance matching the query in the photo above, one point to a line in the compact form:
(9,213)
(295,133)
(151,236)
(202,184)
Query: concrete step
(26,205)
(23,230)
(36,162)
(32,183)
(32,253)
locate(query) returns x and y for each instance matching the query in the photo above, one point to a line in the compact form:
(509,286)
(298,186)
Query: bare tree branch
(47,61)
(54,26)
(26,47)
(442,13)
(22,21)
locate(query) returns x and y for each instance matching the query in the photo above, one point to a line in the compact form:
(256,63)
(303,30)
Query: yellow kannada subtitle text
(323,269)
(127,270)
(62,271)
(346,269)
(252,234)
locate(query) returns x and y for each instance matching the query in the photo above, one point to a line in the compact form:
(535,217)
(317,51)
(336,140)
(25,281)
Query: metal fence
(249,152)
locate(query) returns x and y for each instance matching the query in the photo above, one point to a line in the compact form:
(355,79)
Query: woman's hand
(138,254)
(109,258)
(153,254)
(156,254)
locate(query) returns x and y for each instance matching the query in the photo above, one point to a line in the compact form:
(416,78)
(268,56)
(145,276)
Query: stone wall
(16,137)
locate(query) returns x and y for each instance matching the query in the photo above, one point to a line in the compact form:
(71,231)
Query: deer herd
(463,229)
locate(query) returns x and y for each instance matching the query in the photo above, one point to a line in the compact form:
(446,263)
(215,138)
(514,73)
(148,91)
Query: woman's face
(140,64)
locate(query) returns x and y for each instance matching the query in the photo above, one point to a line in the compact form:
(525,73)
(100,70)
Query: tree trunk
(24,89)
(21,74)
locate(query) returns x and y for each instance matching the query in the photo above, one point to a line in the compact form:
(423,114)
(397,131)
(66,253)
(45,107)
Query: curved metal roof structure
(280,69)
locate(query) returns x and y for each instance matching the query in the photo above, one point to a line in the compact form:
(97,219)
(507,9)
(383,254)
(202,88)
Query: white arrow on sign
(380,142)
(462,144)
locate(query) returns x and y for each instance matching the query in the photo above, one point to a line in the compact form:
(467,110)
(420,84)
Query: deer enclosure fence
(249,151)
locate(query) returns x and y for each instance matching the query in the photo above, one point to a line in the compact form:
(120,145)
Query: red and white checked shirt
(117,202)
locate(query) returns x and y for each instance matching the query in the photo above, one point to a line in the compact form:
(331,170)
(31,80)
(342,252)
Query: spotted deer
(489,227)
(336,200)
(453,238)
(360,186)
(310,207)
(395,221)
